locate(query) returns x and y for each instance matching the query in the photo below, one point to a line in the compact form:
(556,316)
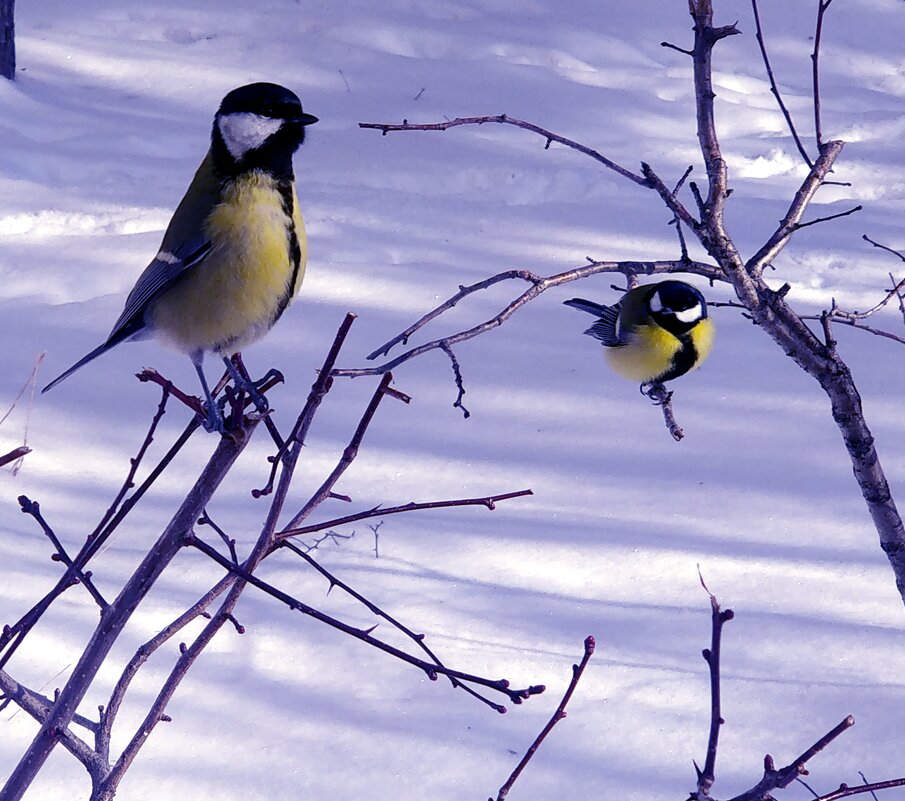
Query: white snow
(99,137)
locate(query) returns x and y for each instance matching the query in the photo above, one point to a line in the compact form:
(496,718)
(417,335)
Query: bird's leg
(214,419)
(249,386)
(656,391)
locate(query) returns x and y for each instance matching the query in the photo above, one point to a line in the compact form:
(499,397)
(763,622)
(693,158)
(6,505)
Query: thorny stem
(431,670)
(418,639)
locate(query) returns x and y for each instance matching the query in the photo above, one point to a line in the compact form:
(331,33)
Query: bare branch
(431,670)
(14,454)
(348,456)
(457,376)
(558,715)
(33,509)
(776,779)
(775,89)
(718,618)
(799,226)
(385,128)
(822,6)
(790,223)
(662,397)
(489,501)
(898,253)
(39,707)
(538,285)
(319,389)
(845,791)
(418,639)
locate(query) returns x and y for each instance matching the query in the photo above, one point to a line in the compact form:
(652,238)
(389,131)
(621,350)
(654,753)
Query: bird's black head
(676,306)
(258,126)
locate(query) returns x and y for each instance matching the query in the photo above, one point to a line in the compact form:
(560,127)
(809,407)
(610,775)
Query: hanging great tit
(234,253)
(655,333)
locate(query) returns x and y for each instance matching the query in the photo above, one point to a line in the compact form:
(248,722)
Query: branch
(711,655)
(33,508)
(822,6)
(777,779)
(490,501)
(844,790)
(775,89)
(319,389)
(790,223)
(39,708)
(348,455)
(418,639)
(120,611)
(661,397)
(12,636)
(144,652)
(558,715)
(538,286)
(431,670)
(385,128)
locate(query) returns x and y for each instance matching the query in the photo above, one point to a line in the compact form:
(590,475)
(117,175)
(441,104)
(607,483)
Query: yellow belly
(650,351)
(233,296)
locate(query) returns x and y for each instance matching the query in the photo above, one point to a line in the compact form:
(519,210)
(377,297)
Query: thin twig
(489,501)
(418,639)
(11,637)
(898,253)
(845,791)
(799,226)
(775,89)
(319,389)
(385,128)
(538,284)
(558,715)
(431,670)
(718,618)
(33,508)
(822,6)
(662,397)
(144,652)
(348,455)
(776,779)
(457,376)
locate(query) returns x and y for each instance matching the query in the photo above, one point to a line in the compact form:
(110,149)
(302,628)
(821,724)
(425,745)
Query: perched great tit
(234,253)
(655,333)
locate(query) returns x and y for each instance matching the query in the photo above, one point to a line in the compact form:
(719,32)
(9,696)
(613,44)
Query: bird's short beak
(306,119)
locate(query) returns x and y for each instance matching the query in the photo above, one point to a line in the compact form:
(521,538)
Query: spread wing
(606,329)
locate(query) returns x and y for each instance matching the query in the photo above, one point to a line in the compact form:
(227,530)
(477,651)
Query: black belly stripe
(686,358)
(295,250)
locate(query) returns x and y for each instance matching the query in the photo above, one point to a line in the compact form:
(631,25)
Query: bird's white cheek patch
(690,315)
(244,131)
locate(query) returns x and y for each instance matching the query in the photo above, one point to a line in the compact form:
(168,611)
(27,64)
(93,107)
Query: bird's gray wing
(606,329)
(165,269)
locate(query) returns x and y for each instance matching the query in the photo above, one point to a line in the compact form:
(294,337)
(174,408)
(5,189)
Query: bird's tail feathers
(588,306)
(80,363)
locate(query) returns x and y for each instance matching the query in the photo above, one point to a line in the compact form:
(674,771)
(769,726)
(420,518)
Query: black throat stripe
(295,250)
(686,358)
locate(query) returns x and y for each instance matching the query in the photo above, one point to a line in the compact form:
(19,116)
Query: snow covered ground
(98,139)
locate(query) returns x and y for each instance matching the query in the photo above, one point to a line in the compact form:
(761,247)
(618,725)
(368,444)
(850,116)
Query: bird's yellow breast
(235,294)
(650,350)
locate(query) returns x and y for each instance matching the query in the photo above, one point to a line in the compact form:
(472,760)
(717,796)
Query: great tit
(234,253)
(655,333)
